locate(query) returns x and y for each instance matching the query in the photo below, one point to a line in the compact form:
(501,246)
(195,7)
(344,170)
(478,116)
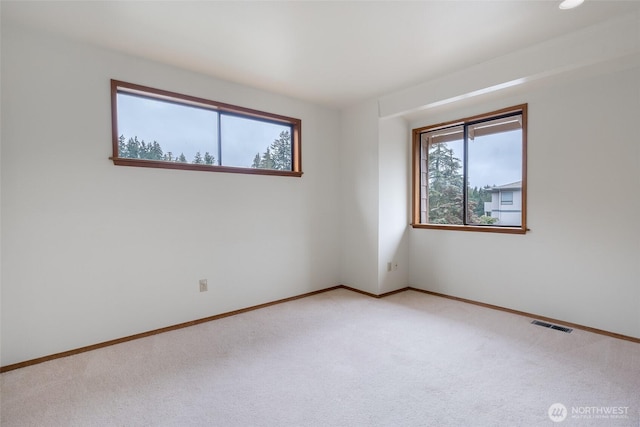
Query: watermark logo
(600,412)
(557,412)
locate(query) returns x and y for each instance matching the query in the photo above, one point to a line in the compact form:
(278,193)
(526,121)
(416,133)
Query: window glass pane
(154,129)
(255,143)
(445,177)
(494,168)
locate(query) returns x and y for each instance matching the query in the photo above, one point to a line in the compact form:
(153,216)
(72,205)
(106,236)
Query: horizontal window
(464,171)
(156,128)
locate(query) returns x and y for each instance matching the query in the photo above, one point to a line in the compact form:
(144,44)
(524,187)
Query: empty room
(331,213)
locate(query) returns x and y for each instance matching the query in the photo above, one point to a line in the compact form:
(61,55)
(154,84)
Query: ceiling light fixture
(570,4)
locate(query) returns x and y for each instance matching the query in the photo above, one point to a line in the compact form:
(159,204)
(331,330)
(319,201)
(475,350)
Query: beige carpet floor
(339,359)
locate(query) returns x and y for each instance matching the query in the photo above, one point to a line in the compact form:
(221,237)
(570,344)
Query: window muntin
(466,166)
(155,128)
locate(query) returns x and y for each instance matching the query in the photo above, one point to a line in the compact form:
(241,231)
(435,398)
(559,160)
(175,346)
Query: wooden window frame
(118,86)
(416,151)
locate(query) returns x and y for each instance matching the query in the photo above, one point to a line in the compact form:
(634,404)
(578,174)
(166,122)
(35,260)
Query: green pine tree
(445,185)
(277,155)
(143,151)
(132,149)
(209,159)
(256,161)
(122,147)
(267,162)
(281,152)
(155,153)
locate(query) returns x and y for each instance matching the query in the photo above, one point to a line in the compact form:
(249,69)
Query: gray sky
(185,129)
(493,159)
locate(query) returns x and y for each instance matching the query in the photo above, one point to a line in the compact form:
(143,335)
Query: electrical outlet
(203,285)
(395,266)
(389,266)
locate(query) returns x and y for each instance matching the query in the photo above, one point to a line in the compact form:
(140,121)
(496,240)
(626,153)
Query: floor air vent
(552,326)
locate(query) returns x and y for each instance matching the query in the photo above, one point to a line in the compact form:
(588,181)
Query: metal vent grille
(552,326)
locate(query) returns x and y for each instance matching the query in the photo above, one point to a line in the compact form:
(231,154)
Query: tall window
(471,174)
(156,128)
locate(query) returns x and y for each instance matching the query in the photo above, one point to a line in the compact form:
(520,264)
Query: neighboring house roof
(512,186)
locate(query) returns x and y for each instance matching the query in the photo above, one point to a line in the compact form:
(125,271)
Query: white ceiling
(334,53)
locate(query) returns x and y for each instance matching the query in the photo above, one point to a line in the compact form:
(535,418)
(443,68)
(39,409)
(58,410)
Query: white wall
(359,208)
(579,263)
(394,203)
(375,200)
(606,41)
(93,251)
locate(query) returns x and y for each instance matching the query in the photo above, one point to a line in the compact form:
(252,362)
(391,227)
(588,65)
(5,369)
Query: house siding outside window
(506,204)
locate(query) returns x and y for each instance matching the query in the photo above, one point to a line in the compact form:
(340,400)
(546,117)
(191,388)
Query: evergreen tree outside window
(459,167)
